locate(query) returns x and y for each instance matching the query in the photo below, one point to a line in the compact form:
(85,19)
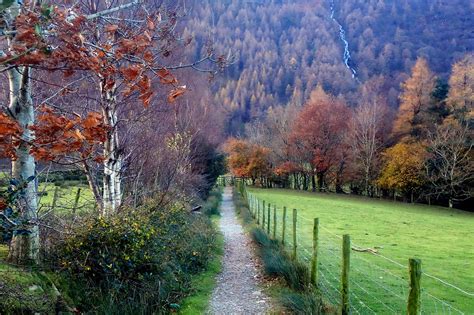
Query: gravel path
(237,290)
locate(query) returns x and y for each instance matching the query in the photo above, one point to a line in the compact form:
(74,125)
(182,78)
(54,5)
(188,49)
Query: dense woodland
(284,49)
(422,153)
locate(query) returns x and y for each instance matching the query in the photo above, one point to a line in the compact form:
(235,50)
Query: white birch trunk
(24,247)
(112,181)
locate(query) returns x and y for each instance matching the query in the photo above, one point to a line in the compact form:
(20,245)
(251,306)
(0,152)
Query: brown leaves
(174,94)
(10,134)
(145,90)
(166,77)
(57,136)
(111,28)
(131,73)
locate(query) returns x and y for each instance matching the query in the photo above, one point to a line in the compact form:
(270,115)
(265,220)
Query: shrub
(136,262)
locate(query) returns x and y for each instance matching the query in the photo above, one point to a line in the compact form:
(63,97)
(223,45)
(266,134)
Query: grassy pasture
(440,237)
(66,197)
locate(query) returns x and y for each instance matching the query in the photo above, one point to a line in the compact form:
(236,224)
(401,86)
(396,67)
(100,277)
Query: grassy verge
(182,253)
(203,284)
(440,237)
(291,286)
(25,291)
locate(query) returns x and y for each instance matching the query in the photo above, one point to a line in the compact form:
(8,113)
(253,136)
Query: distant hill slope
(286,48)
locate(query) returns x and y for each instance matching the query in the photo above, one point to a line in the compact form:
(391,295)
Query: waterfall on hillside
(342,36)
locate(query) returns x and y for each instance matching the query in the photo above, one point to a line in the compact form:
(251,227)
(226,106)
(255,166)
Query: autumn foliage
(57,136)
(50,38)
(404,167)
(10,136)
(247,160)
(318,134)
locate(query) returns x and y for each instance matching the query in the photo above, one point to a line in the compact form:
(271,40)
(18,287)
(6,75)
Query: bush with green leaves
(211,207)
(136,262)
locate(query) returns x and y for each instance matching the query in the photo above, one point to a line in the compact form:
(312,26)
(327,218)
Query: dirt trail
(237,290)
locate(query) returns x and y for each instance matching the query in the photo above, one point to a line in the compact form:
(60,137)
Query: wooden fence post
(55,197)
(414,297)
(251,206)
(268,219)
(295,214)
(283,232)
(346,252)
(263,216)
(258,212)
(76,201)
(314,260)
(255,200)
(274,221)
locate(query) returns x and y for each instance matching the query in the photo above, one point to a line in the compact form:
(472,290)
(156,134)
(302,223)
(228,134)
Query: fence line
(328,259)
(401,265)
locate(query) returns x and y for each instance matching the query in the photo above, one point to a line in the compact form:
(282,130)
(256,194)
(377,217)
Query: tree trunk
(313,183)
(112,181)
(92,184)
(24,247)
(321,181)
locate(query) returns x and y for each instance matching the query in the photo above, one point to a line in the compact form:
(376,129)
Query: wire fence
(378,284)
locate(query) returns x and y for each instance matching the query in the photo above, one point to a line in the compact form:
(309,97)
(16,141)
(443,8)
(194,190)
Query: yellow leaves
(404,167)
(79,135)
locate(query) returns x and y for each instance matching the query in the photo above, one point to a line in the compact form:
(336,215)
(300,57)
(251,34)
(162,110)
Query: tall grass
(297,295)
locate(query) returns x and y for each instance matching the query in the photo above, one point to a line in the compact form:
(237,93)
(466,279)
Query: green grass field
(66,197)
(30,290)
(440,237)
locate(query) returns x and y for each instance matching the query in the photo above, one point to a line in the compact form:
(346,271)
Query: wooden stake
(314,260)
(283,232)
(295,214)
(414,303)
(274,221)
(346,252)
(268,219)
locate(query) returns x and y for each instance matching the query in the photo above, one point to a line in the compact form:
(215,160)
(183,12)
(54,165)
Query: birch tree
(120,52)
(24,246)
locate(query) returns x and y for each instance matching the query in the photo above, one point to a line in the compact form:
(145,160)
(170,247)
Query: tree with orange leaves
(415,101)
(248,160)
(461,88)
(318,135)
